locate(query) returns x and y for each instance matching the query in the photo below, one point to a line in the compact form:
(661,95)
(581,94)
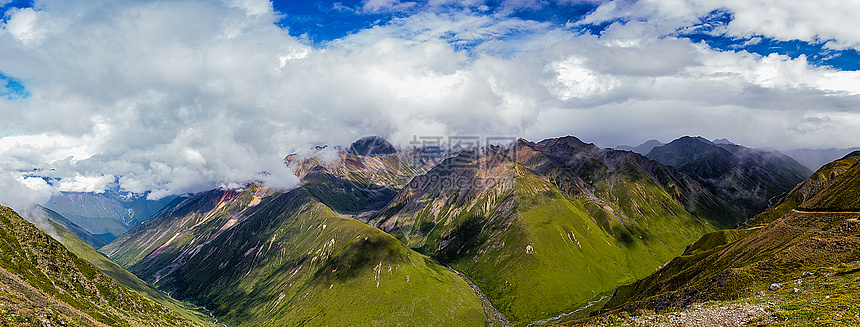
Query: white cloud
(20,192)
(810,21)
(576,81)
(79,183)
(23,25)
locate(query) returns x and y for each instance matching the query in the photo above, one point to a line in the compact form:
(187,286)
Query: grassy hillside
(123,277)
(821,231)
(803,191)
(45,284)
(826,296)
(540,241)
(261,257)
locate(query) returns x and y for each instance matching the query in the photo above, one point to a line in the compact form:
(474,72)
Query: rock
(775,286)
(372,146)
(795,290)
(807,274)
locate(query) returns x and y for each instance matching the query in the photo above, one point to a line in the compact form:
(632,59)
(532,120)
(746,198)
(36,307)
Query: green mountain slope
(44,284)
(803,191)
(544,228)
(263,257)
(817,227)
(86,252)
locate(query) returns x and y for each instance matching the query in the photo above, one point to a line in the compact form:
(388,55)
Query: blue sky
(324,21)
(171,97)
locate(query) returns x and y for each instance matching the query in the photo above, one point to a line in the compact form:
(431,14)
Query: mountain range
(748,178)
(538,229)
(507,235)
(809,158)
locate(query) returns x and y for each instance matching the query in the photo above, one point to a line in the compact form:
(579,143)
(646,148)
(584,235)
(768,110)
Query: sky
(171,97)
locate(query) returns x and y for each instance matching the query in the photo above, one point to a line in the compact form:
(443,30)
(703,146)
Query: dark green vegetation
(43,283)
(815,226)
(121,276)
(263,257)
(105,215)
(544,228)
(748,178)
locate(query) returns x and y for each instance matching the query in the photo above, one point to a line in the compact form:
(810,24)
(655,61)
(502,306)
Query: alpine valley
(515,234)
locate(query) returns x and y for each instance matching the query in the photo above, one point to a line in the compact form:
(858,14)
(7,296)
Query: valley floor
(828,297)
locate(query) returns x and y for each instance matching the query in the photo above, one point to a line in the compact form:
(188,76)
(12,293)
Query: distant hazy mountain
(815,226)
(68,225)
(643,148)
(748,178)
(105,215)
(45,284)
(723,141)
(815,158)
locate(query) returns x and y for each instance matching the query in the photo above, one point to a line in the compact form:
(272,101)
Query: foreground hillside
(42,283)
(827,296)
(817,227)
(264,257)
(86,252)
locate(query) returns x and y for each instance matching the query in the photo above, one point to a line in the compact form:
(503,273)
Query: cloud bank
(175,97)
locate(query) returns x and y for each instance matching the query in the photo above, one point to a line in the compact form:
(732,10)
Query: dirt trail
(827,212)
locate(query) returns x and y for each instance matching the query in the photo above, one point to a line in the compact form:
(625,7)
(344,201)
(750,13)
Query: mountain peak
(566,145)
(372,146)
(687,138)
(724,141)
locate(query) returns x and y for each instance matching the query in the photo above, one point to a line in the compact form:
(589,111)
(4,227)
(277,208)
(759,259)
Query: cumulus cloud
(176,97)
(812,21)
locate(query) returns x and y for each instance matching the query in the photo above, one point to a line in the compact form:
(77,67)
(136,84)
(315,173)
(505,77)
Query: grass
(534,250)
(125,278)
(291,260)
(831,297)
(828,297)
(46,272)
